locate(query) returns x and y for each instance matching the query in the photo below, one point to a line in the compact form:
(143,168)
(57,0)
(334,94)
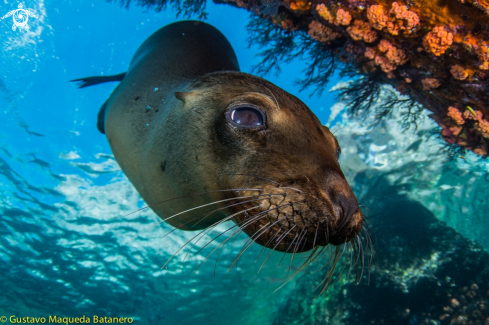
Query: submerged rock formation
(426,218)
(425,273)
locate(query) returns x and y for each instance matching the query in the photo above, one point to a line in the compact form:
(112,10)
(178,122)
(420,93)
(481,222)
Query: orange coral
(288,24)
(458,72)
(406,20)
(386,65)
(362,31)
(456,115)
(388,57)
(483,53)
(480,152)
(393,54)
(324,13)
(343,17)
(320,32)
(438,40)
(370,53)
(483,127)
(377,16)
(418,31)
(300,5)
(430,83)
(399,18)
(469,116)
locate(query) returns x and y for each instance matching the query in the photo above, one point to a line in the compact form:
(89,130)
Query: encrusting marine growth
(436,52)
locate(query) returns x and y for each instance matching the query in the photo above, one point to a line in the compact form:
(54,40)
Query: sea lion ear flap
(184,96)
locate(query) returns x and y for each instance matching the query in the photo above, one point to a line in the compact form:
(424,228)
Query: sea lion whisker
(222,247)
(360,254)
(321,250)
(185,196)
(370,244)
(268,242)
(290,245)
(329,276)
(315,236)
(344,264)
(308,260)
(355,257)
(215,202)
(331,248)
(243,224)
(201,206)
(362,258)
(211,226)
(207,214)
(279,240)
(325,280)
(348,252)
(226,207)
(368,247)
(367,220)
(371,249)
(248,243)
(335,262)
(238,224)
(254,239)
(276,102)
(254,219)
(338,129)
(285,253)
(296,247)
(300,268)
(292,188)
(216,224)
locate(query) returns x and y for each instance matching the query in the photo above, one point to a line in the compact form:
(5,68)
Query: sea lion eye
(338,153)
(247,116)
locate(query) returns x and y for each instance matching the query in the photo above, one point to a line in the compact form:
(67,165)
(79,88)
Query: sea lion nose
(349,207)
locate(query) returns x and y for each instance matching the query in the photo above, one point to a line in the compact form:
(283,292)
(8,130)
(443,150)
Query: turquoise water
(68,245)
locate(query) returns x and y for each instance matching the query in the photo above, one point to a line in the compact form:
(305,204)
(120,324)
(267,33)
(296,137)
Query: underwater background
(69,245)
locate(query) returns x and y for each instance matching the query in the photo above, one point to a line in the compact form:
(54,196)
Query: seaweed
(185,8)
(281,46)
(284,46)
(362,94)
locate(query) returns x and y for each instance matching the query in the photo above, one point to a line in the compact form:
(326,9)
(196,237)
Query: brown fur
(177,141)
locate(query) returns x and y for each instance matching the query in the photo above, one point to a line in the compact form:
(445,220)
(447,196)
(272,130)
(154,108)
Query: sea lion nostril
(349,207)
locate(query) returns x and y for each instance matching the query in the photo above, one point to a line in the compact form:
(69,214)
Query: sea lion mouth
(293,221)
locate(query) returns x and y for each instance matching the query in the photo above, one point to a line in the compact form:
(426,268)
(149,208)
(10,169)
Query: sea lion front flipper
(101,118)
(92,81)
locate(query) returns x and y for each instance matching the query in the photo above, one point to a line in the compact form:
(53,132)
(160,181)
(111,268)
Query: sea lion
(203,143)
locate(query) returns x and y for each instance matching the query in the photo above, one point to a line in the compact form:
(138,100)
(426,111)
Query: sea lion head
(254,135)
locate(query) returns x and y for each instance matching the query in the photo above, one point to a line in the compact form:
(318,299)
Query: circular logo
(20,17)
